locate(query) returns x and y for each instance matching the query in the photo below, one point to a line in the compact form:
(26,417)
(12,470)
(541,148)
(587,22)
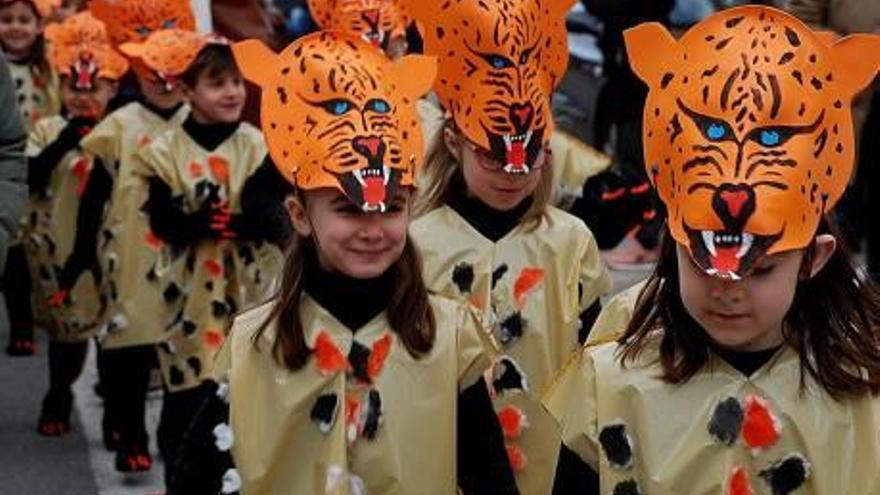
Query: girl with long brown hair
(488,232)
(751,363)
(353,378)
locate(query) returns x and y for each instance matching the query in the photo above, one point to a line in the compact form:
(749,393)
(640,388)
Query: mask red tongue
(725,260)
(374,190)
(516,155)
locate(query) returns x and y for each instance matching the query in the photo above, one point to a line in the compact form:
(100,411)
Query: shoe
(53,428)
(21,347)
(55,415)
(133,460)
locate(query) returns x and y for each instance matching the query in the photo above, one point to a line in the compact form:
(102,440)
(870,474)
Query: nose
(372,17)
(734,204)
(521,116)
(727,291)
(371,230)
(371,147)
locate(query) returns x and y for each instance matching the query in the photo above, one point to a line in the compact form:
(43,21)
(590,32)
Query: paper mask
(80,49)
(499,61)
(748,130)
(376,21)
(134,20)
(166,54)
(337,113)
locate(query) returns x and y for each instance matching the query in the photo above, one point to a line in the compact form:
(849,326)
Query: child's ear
(452,142)
(823,248)
(298,216)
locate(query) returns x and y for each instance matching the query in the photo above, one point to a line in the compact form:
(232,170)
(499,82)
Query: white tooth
(747,240)
(709,241)
(358,174)
(382,206)
(508,168)
(387,172)
(733,276)
(526,169)
(711,271)
(506,141)
(528,138)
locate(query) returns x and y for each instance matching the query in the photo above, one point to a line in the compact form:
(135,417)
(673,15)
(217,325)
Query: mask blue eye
(169,23)
(378,106)
(498,62)
(716,131)
(337,107)
(143,31)
(770,138)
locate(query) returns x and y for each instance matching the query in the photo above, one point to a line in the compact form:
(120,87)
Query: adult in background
(13,171)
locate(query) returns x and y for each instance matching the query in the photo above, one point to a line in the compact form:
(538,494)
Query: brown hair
(215,59)
(832,325)
(442,173)
(408,312)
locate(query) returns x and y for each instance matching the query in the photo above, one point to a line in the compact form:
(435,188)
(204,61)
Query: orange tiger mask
(134,20)
(80,49)
(499,61)
(748,130)
(337,113)
(376,21)
(166,54)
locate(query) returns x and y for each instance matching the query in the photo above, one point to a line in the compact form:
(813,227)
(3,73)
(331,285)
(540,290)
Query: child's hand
(76,129)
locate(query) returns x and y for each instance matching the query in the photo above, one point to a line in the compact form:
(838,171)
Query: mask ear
(559,8)
(256,61)
(857,60)
(420,10)
(414,75)
(651,50)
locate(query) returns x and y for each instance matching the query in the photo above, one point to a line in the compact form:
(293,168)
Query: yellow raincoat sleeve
(476,348)
(571,402)
(42,134)
(587,284)
(615,315)
(104,140)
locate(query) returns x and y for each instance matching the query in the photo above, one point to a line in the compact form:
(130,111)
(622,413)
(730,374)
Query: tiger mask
(337,113)
(748,130)
(166,54)
(376,21)
(79,49)
(500,61)
(134,20)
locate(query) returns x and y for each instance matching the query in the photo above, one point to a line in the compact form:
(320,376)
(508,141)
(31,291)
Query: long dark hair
(408,312)
(832,325)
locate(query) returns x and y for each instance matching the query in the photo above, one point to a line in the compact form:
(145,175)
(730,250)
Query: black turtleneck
(209,136)
(490,223)
(354,302)
(747,362)
(162,113)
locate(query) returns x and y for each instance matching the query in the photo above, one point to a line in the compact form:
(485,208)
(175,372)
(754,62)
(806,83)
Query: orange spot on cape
(80,169)
(517,458)
(195,170)
(143,140)
(377,358)
(739,483)
(512,420)
(153,241)
(330,359)
(760,429)
(528,279)
(214,268)
(220,168)
(213,339)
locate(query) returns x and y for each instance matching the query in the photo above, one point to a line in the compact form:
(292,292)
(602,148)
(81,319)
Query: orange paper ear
(857,60)
(650,49)
(255,60)
(414,75)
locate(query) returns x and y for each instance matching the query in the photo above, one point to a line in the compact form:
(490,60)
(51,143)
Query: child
(378,22)
(350,378)
(199,178)
(58,170)
(489,235)
(113,228)
(752,361)
(21,40)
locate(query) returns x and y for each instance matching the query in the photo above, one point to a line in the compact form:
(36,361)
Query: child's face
(19,29)
(87,103)
(486,179)
(747,315)
(357,244)
(217,98)
(156,92)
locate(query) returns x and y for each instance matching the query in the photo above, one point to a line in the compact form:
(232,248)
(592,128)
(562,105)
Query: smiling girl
(354,379)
